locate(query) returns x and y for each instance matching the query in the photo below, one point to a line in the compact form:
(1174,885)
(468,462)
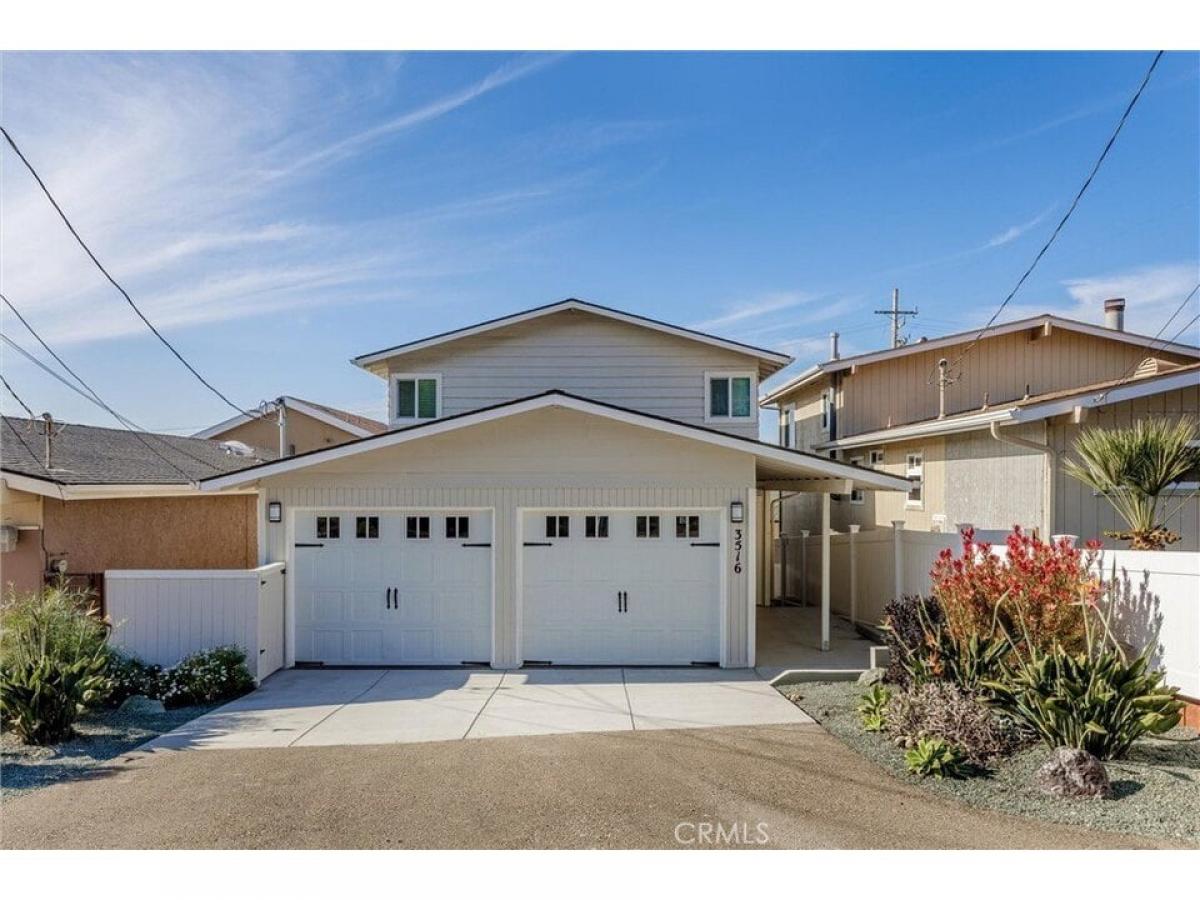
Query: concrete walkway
(789,637)
(315,708)
(614,789)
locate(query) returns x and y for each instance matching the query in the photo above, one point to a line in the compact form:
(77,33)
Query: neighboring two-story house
(571,484)
(985,447)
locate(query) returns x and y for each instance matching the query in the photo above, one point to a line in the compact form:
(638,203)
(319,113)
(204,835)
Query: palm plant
(1131,468)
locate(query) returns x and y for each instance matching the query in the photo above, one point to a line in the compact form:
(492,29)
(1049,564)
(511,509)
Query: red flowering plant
(1037,591)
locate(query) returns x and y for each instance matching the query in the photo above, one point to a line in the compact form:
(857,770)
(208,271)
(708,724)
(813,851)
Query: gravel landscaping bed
(1157,789)
(101,736)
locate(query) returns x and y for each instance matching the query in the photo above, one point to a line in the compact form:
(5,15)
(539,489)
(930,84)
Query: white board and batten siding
(163,615)
(591,356)
(549,460)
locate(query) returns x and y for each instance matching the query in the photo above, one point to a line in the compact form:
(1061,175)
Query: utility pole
(49,430)
(898,318)
(281,412)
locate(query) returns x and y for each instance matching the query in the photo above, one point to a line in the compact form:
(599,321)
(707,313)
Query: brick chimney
(1114,313)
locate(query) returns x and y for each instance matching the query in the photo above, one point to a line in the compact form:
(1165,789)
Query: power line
(129,426)
(1151,348)
(86,249)
(1062,222)
(8,387)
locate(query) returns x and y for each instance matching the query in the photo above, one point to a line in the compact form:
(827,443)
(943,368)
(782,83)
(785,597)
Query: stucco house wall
(195,532)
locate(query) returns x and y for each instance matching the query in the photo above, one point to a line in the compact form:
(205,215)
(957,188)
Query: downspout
(1050,469)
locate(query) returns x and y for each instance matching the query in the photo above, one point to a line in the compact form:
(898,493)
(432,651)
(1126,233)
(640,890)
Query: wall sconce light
(737,512)
(274,511)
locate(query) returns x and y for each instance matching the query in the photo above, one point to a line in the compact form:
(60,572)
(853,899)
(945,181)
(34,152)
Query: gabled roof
(87,455)
(776,464)
(1031,409)
(358,426)
(923,346)
(769,360)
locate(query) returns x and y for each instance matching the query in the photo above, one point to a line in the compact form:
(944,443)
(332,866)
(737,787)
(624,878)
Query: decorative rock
(871,676)
(141,704)
(1074,773)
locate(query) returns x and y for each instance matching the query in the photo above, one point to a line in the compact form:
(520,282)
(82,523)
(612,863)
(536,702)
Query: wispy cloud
(435,109)
(1011,234)
(743,311)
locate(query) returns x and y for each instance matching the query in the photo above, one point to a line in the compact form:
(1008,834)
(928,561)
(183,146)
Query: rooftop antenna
(899,317)
(49,430)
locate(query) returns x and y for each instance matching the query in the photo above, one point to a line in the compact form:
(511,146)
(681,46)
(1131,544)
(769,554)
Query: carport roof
(778,468)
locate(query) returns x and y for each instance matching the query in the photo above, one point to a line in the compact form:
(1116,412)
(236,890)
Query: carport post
(825,552)
(854,573)
(898,556)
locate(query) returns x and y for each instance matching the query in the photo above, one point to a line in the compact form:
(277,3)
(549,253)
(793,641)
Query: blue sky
(278,214)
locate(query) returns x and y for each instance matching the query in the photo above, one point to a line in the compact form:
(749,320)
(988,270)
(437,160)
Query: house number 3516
(737,551)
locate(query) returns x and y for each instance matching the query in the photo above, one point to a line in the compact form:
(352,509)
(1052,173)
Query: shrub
(922,648)
(128,677)
(52,660)
(942,709)
(208,676)
(873,707)
(1096,702)
(1034,594)
(933,756)
(1132,468)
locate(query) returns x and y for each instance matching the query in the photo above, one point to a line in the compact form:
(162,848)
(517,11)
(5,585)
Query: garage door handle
(477,545)
(308,545)
(387,604)
(706,543)
(538,544)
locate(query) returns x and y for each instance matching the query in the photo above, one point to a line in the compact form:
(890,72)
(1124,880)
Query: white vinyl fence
(163,615)
(1156,595)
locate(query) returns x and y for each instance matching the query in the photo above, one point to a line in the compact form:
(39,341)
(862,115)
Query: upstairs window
(876,459)
(646,526)
(914,470)
(729,397)
(786,425)
(416,398)
(826,407)
(1189,482)
(857,496)
(417,527)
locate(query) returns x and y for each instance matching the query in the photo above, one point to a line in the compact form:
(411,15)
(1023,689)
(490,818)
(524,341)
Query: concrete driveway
(314,708)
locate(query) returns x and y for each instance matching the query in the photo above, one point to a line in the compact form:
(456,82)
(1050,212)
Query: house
(79,500)
(571,484)
(983,445)
(290,425)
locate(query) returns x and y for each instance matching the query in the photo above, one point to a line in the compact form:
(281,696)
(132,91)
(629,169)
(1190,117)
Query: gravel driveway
(624,789)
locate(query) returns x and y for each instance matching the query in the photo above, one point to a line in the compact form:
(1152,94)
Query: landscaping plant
(208,676)
(923,648)
(52,662)
(936,757)
(1095,700)
(945,710)
(1133,467)
(873,707)
(129,677)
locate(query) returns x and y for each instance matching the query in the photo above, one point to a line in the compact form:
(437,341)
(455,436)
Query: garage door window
(687,526)
(417,527)
(366,527)
(458,526)
(595,526)
(558,526)
(329,527)
(646,527)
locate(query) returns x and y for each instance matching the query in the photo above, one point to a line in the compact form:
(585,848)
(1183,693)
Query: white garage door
(393,588)
(621,587)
